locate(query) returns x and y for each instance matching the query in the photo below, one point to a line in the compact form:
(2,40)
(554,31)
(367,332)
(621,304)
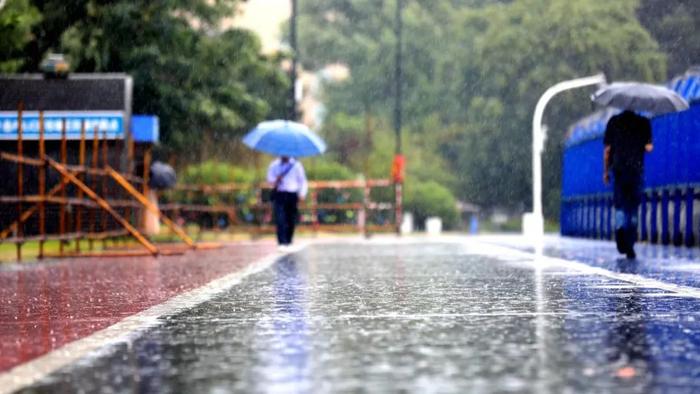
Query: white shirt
(294,181)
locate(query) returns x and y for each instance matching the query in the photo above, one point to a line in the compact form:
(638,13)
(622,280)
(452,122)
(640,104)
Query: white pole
(533,222)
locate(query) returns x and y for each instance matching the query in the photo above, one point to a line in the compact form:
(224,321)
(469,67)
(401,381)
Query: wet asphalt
(410,318)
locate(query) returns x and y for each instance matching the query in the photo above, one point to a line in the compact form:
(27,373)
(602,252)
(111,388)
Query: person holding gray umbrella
(288,140)
(627,138)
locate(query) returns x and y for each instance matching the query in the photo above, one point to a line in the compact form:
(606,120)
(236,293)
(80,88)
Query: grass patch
(514,225)
(30,250)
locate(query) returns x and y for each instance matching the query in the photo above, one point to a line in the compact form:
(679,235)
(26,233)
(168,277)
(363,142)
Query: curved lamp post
(292,113)
(533,222)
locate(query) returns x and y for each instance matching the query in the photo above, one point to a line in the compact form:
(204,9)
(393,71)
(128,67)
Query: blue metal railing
(666,215)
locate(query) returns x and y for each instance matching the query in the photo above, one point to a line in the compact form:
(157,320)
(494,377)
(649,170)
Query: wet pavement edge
(102,341)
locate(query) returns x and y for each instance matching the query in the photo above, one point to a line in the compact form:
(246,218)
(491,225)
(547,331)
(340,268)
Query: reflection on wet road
(46,306)
(413,317)
(679,266)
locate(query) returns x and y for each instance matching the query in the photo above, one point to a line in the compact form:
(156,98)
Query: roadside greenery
(675,24)
(17,18)
(473,71)
(431,199)
(207,84)
(213,172)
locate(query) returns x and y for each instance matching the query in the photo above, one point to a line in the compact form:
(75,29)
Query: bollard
(407,224)
(433,225)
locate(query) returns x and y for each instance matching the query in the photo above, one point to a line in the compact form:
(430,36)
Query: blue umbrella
(284,138)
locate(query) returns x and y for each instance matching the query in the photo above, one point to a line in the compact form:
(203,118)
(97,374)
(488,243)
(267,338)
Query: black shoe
(621,241)
(630,254)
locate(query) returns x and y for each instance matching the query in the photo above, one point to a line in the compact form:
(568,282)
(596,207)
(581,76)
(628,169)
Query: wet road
(48,305)
(411,317)
(679,266)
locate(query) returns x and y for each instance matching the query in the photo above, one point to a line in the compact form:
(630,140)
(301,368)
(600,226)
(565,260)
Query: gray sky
(264,17)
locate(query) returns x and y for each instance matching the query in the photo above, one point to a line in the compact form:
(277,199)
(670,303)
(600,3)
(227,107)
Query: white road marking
(509,254)
(125,330)
(541,262)
(418,316)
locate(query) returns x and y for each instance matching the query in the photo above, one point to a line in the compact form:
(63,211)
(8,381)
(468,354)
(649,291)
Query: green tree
(213,172)
(347,139)
(431,199)
(527,46)
(473,72)
(17,17)
(324,169)
(675,24)
(206,84)
(360,34)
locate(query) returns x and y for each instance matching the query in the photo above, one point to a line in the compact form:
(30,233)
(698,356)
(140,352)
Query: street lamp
(398,75)
(292,100)
(397,169)
(533,222)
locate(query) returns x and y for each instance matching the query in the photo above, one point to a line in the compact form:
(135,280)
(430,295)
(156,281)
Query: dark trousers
(286,211)
(627,194)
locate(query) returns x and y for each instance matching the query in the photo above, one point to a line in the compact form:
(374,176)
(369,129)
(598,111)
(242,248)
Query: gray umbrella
(640,97)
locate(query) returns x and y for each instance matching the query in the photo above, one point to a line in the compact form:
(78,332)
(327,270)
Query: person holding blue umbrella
(288,140)
(290,186)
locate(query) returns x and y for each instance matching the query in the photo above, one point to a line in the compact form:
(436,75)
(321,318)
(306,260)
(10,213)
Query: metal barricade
(84,202)
(331,206)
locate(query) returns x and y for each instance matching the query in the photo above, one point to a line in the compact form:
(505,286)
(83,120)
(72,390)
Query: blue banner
(111,123)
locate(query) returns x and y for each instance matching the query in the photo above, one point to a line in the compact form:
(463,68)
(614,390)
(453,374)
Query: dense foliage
(205,82)
(675,24)
(213,172)
(17,18)
(431,199)
(473,72)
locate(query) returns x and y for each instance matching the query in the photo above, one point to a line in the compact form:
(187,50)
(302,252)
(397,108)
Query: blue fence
(670,209)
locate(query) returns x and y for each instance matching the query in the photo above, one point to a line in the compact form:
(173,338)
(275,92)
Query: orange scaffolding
(112,209)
